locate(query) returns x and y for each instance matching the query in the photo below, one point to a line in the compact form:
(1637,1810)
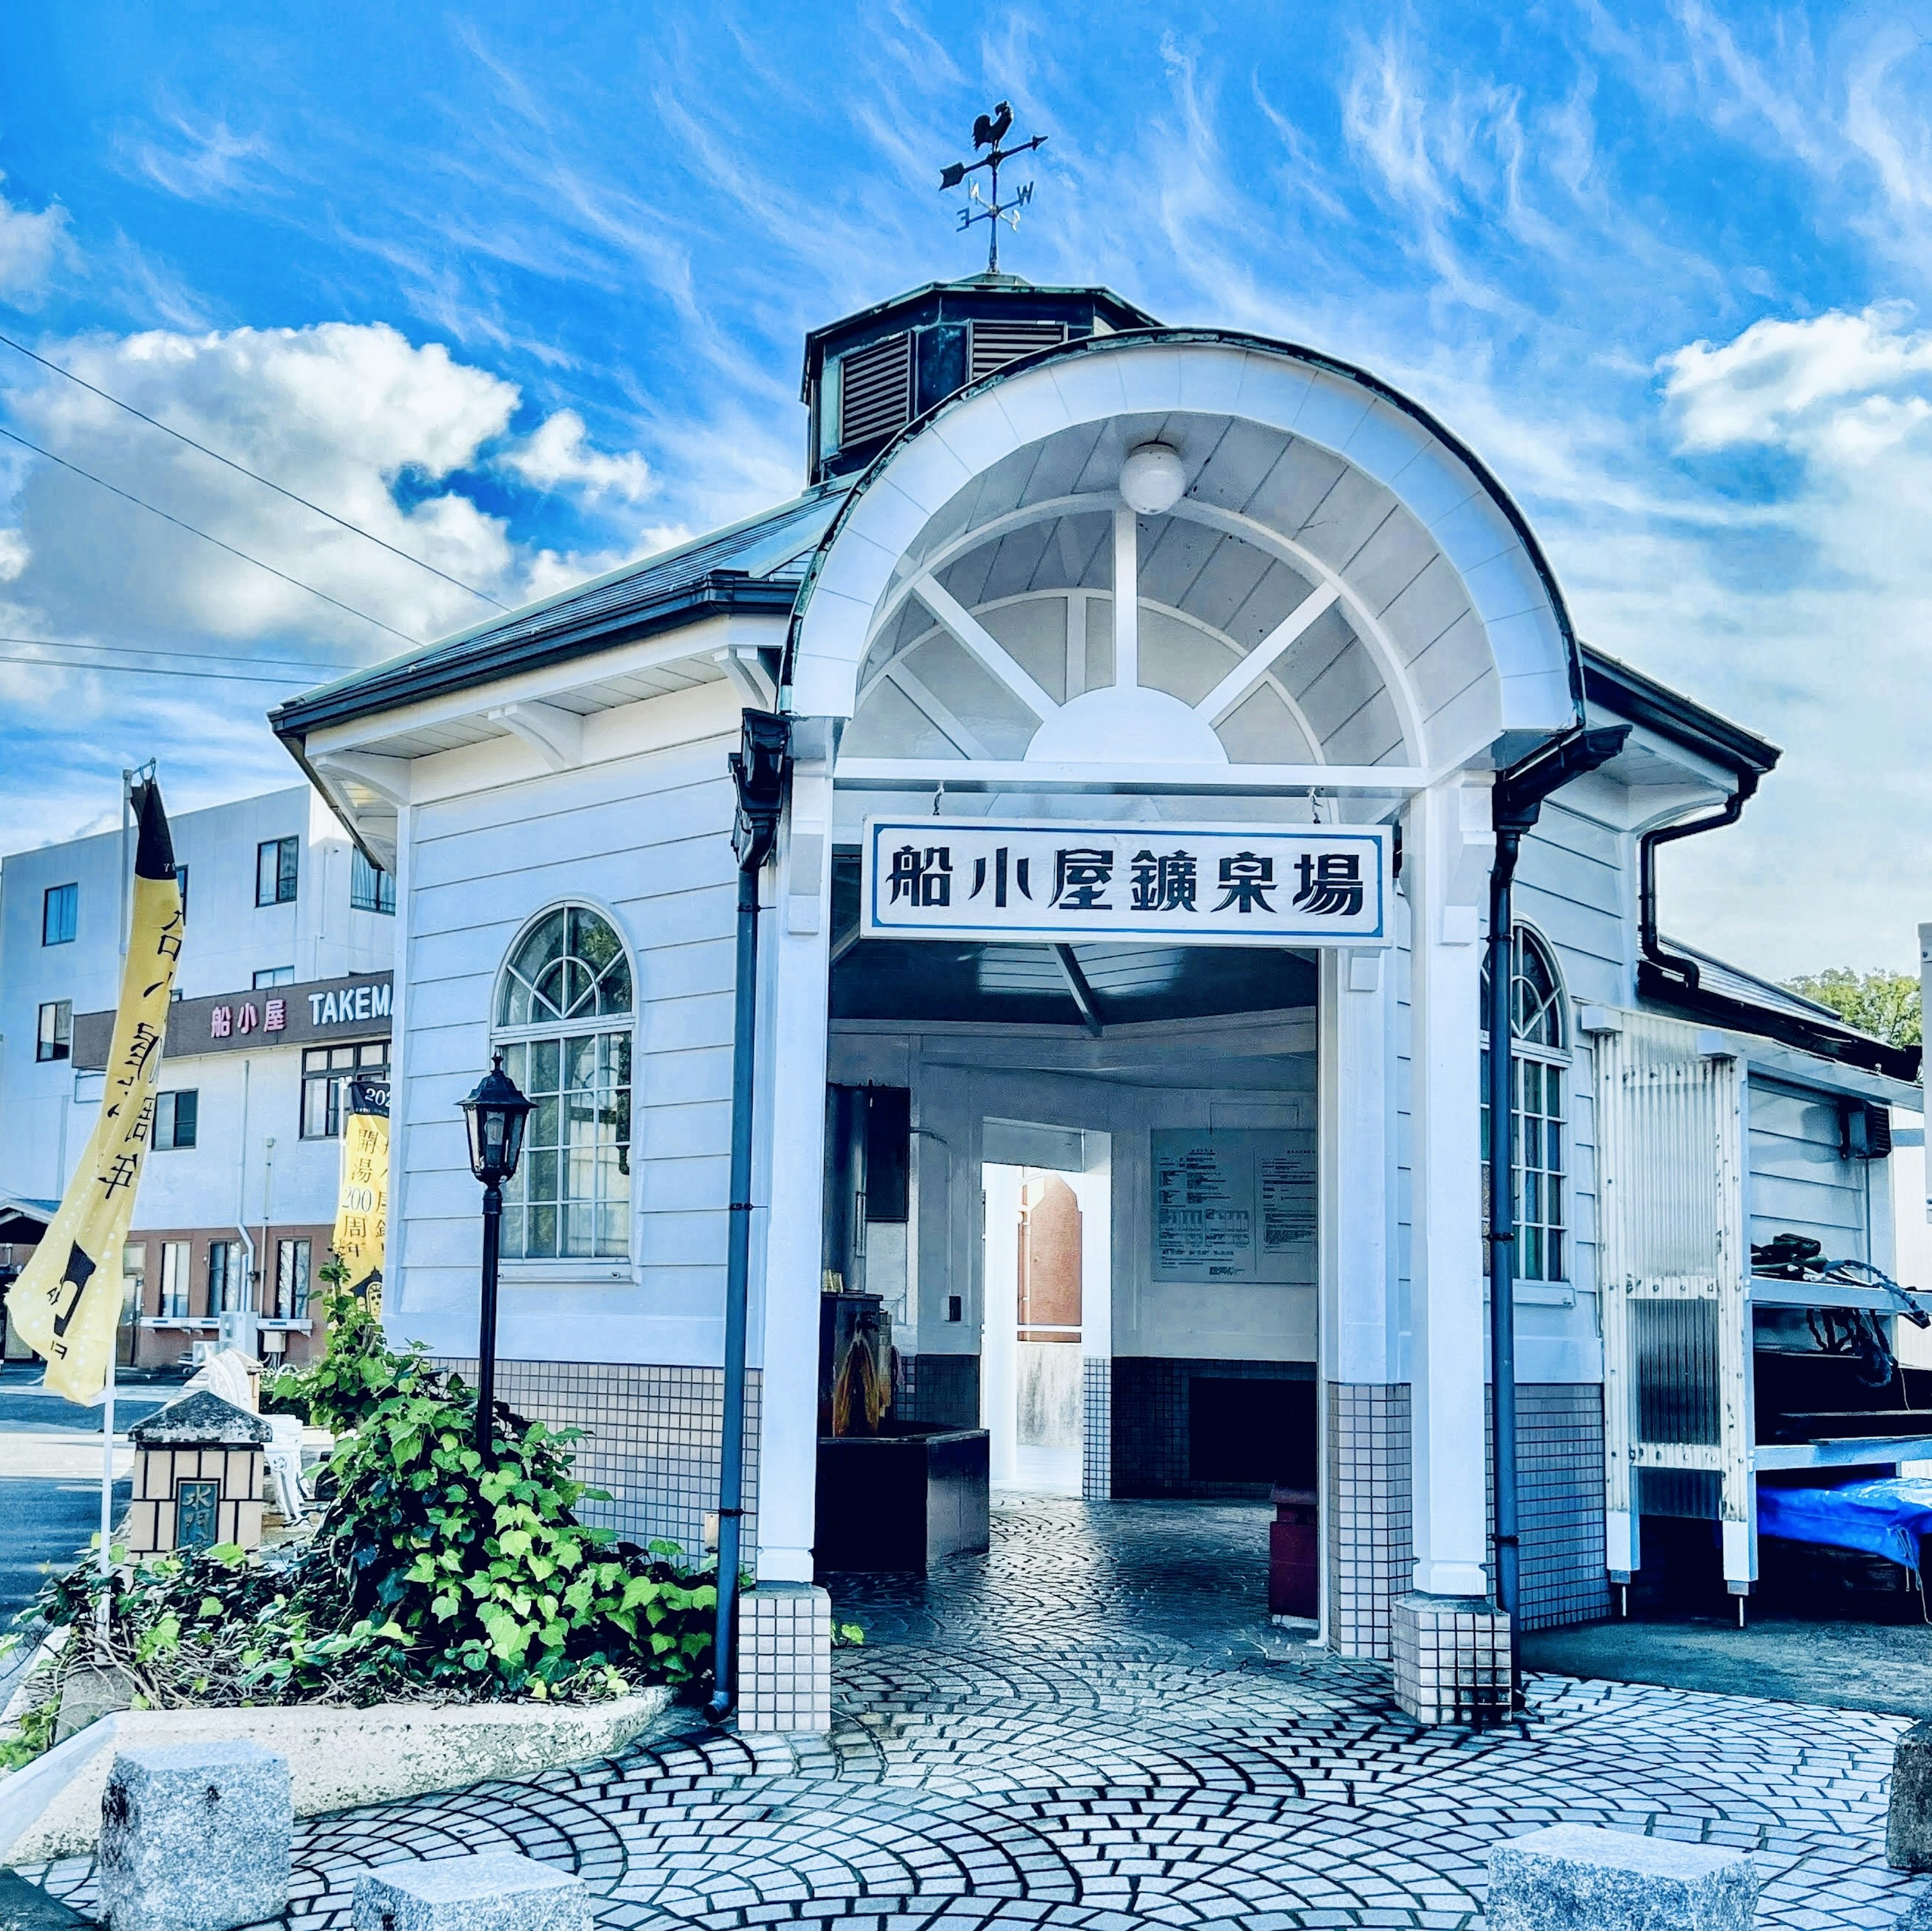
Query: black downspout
(1648,942)
(760,768)
(1502,1235)
(1515,804)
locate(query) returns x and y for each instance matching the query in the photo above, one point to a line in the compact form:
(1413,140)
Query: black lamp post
(495,1114)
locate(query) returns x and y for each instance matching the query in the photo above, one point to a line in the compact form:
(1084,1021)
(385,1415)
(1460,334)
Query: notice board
(1233,1203)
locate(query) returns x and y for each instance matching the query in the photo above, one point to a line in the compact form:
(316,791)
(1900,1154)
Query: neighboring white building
(1058,567)
(239,1193)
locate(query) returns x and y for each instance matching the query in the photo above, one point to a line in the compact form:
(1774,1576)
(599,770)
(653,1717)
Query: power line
(295,582)
(254,476)
(155,670)
(306,669)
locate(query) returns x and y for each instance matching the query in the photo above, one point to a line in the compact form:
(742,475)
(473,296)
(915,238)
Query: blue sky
(522,288)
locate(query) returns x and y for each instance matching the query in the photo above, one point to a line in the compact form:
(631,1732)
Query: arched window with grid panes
(1542,1057)
(564,1024)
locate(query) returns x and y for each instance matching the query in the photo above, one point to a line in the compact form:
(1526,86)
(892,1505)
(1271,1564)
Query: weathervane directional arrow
(989,131)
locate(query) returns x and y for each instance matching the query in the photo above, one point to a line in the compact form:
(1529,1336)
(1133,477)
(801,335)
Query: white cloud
(339,413)
(30,245)
(1790,381)
(559,456)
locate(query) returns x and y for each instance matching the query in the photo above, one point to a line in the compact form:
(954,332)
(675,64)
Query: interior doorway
(1046,1263)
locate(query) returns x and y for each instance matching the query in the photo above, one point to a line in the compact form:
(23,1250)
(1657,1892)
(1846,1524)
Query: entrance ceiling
(1329,581)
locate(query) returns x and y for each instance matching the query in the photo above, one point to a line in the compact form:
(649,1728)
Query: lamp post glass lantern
(495,1115)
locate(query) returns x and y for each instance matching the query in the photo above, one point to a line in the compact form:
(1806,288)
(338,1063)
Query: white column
(1126,598)
(789,1104)
(1450,847)
(1359,1338)
(999,1317)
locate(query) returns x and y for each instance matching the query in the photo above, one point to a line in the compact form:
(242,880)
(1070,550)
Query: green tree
(1883,1003)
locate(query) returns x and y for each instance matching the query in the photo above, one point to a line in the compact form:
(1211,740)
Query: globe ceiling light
(1152,479)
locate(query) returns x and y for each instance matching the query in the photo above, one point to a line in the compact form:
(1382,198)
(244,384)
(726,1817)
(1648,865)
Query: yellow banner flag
(66,1304)
(362,1206)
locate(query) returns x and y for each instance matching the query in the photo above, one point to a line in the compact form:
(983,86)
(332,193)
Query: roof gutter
(1647,941)
(714,594)
(1673,980)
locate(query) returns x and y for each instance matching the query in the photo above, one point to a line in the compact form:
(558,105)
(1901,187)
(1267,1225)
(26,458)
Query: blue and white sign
(1153,883)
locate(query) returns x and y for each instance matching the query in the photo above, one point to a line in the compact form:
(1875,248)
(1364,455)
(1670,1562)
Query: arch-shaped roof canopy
(1339,581)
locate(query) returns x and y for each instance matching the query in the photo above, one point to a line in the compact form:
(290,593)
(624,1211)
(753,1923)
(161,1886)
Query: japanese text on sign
(1233,1204)
(953,878)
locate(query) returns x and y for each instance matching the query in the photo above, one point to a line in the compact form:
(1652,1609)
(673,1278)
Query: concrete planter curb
(337,1757)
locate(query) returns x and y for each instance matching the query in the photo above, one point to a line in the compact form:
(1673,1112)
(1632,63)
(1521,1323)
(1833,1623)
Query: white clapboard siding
(1799,1183)
(647,839)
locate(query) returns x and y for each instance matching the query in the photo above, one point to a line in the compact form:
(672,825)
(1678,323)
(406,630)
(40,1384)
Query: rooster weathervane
(989,131)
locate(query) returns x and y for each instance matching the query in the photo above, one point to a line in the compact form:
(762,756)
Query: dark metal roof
(1730,996)
(1630,693)
(753,565)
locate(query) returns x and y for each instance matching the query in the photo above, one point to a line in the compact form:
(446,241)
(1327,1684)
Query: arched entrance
(1337,620)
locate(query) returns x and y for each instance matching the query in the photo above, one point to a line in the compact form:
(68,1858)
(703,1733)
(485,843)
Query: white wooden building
(1055,565)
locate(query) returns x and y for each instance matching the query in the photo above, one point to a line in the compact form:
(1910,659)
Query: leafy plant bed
(433,1576)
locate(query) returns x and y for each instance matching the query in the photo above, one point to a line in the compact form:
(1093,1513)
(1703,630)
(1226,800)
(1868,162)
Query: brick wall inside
(1153,1424)
(940,1389)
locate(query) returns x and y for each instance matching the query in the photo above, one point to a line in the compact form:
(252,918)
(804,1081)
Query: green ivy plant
(358,1370)
(484,1569)
(433,1574)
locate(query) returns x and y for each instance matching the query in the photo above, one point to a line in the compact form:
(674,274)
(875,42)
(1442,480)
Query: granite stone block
(1570,1877)
(497,1890)
(195,1837)
(1908,1818)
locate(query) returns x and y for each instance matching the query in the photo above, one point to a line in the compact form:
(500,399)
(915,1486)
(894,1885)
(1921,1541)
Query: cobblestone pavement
(1096,1729)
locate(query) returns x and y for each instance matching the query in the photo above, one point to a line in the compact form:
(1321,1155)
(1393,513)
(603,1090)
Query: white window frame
(561,1269)
(1562,1059)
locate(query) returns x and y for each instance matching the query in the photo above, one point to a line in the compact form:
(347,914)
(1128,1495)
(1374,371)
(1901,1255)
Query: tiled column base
(1097,1435)
(1452,1659)
(1366,1526)
(784,1658)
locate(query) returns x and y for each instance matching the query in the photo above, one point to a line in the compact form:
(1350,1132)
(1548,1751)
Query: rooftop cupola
(868,376)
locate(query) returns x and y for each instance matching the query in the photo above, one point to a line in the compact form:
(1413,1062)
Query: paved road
(1095,1729)
(49,1492)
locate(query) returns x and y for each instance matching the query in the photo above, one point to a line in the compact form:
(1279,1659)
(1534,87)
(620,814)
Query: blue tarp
(1884,1518)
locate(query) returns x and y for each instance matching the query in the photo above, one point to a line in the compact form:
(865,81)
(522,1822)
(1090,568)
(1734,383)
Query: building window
(56,1034)
(1542,1069)
(60,915)
(370,888)
(326,1073)
(174,1280)
(564,1027)
(180,886)
(133,1286)
(273,976)
(277,863)
(176,1116)
(292,1280)
(226,1290)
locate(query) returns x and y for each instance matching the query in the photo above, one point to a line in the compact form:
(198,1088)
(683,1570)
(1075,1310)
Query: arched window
(563,1026)
(1542,1073)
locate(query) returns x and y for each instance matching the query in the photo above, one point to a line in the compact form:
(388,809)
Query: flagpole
(100,1613)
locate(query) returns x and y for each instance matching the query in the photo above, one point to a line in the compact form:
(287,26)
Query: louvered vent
(875,390)
(997,343)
